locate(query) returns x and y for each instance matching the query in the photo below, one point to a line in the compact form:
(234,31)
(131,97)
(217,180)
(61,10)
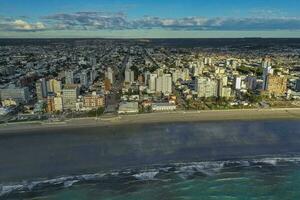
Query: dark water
(215,160)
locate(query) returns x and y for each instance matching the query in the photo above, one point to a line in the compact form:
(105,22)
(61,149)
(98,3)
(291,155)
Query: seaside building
(58,104)
(128,107)
(160,107)
(20,95)
(251,82)
(69,96)
(205,87)
(164,84)
(50,104)
(93,101)
(54,86)
(41,89)
(226,92)
(9,102)
(152,82)
(238,83)
(297,85)
(266,72)
(277,85)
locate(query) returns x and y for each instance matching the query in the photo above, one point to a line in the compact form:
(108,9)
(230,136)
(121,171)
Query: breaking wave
(155,173)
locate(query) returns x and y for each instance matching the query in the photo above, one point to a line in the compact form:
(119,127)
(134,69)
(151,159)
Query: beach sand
(160,117)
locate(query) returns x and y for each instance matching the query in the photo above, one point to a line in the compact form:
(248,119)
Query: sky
(149,18)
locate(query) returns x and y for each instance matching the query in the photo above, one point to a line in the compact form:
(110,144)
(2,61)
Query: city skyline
(148,19)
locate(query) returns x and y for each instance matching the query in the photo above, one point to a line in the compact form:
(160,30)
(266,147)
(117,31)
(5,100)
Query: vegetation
(95,113)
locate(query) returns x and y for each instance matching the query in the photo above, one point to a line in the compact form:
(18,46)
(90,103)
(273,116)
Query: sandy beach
(163,117)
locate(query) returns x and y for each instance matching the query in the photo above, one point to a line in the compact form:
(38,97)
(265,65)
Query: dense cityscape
(91,78)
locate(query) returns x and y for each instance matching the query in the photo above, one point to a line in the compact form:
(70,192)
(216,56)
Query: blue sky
(146,18)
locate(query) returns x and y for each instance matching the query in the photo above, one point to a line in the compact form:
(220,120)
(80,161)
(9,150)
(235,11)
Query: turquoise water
(264,178)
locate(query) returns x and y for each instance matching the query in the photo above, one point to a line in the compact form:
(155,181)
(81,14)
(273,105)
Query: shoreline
(158,118)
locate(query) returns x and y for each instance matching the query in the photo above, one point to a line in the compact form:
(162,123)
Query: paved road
(113,99)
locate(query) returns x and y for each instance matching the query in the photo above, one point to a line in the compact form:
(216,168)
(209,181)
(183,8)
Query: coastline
(159,117)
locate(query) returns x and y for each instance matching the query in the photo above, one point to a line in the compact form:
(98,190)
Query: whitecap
(146,175)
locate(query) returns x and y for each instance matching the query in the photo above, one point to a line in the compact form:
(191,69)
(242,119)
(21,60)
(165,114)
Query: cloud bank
(119,21)
(10,24)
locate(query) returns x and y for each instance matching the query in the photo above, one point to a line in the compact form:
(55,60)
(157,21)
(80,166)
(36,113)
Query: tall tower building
(206,87)
(84,78)
(109,74)
(238,83)
(41,89)
(152,82)
(69,76)
(129,76)
(93,75)
(164,84)
(54,86)
(266,72)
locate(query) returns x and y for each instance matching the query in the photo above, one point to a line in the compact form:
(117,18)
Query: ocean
(207,160)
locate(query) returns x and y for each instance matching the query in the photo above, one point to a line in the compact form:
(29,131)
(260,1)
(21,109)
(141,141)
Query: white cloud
(25,26)
(8,24)
(94,21)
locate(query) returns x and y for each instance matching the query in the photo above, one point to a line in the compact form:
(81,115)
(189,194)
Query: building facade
(69,96)
(20,95)
(277,85)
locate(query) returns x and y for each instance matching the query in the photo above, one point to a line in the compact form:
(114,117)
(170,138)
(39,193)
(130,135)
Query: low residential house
(128,107)
(160,107)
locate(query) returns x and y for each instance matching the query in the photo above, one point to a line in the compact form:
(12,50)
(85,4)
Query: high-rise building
(266,72)
(266,62)
(93,61)
(69,96)
(186,74)
(84,78)
(297,86)
(251,82)
(176,75)
(226,92)
(208,61)
(220,87)
(238,83)
(129,76)
(69,77)
(159,84)
(152,82)
(109,74)
(93,75)
(58,103)
(206,87)
(50,104)
(167,84)
(41,89)
(54,86)
(146,77)
(277,85)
